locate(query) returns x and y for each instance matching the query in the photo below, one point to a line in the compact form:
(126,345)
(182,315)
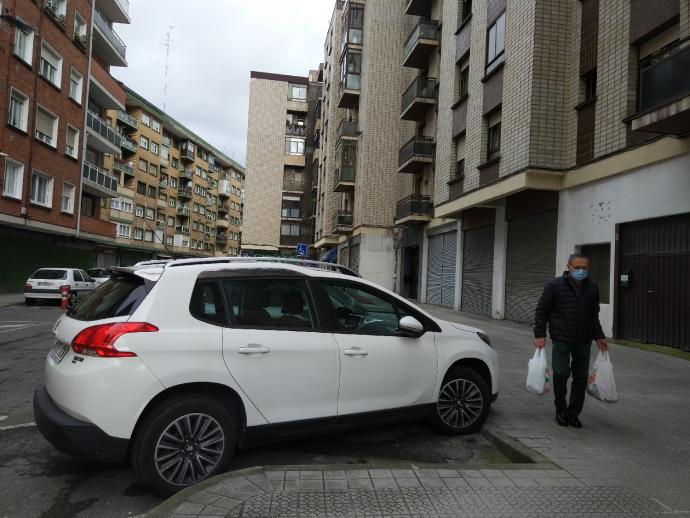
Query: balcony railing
(184,192)
(128,145)
(100,179)
(224,188)
(419,150)
(222,238)
(342,222)
(110,34)
(187,154)
(423,39)
(414,205)
(124,167)
(293,185)
(294,130)
(418,97)
(182,229)
(666,76)
(102,128)
(184,211)
(346,129)
(127,119)
(344,178)
(187,174)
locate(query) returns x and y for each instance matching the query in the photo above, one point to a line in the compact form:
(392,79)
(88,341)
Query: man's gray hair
(576,255)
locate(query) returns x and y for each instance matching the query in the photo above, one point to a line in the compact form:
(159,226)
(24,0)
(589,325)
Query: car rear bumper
(42,294)
(76,438)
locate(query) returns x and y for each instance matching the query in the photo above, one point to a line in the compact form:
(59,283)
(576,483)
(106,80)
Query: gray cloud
(215,43)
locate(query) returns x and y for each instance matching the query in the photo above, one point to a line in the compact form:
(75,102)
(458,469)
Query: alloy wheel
(460,403)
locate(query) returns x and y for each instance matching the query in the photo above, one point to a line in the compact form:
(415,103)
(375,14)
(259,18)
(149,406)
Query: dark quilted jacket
(573,317)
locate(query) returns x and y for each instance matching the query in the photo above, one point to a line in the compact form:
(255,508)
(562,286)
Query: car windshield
(117,297)
(98,272)
(49,275)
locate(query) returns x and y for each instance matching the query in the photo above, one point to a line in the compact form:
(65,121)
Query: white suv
(176,366)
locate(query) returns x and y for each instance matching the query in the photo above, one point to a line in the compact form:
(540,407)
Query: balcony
(342,222)
(181,229)
(187,153)
(107,44)
(415,154)
(414,208)
(224,207)
(664,92)
(187,174)
(184,212)
(98,182)
(418,98)
(222,223)
(350,81)
(422,41)
(97,226)
(295,130)
(346,130)
(124,167)
(293,185)
(222,238)
(127,120)
(51,8)
(115,10)
(128,145)
(104,90)
(344,179)
(418,7)
(184,192)
(224,189)
(161,203)
(103,137)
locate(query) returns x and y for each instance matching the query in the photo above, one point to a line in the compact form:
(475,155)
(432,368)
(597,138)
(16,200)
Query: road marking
(12,427)
(3,417)
(18,327)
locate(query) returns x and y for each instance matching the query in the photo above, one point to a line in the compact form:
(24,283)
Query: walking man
(570,306)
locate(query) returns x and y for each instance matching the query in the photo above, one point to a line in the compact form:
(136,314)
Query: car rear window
(98,272)
(120,296)
(49,275)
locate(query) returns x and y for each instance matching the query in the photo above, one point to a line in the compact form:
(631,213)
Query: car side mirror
(410,326)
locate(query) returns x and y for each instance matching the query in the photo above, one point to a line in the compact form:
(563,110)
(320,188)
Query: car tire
(463,403)
(167,457)
(30,302)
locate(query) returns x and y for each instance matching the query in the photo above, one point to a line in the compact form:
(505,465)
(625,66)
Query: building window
(464,78)
(41,189)
(143,142)
(145,119)
(14,179)
(168,240)
(76,81)
(294,146)
(143,165)
(590,84)
(493,149)
(150,213)
(72,142)
(172,202)
(173,182)
(171,221)
(165,153)
(51,65)
(138,234)
(290,207)
(121,204)
(79,29)
(460,158)
(466,10)
(24,45)
(153,169)
(286,229)
(19,110)
(297,92)
(151,192)
(155,126)
(495,43)
(67,200)
(139,212)
(46,127)
(154,148)
(124,230)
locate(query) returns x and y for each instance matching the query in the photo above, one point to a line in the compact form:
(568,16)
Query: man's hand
(540,342)
(602,344)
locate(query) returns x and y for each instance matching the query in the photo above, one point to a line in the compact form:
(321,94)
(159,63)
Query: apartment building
(560,127)
(280,157)
(177,196)
(56,64)
(358,181)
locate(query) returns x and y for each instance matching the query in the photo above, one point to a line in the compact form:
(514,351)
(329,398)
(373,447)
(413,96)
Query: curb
(515,451)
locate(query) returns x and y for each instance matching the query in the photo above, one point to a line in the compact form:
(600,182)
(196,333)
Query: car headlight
(485,339)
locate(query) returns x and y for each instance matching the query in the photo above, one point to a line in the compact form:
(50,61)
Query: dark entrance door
(654,298)
(410,272)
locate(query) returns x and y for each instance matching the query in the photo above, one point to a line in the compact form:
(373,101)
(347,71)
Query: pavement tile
(384,483)
(501,482)
(478,482)
(360,483)
(311,475)
(432,483)
(408,482)
(203,497)
(525,482)
(335,485)
(492,473)
(447,472)
(380,473)
(275,475)
(227,503)
(547,481)
(403,473)
(471,473)
(291,475)
(212,510)
(426,473)
(189,508)
(357,473)
(278,485)
(311,484)
(334,474)
(455,483)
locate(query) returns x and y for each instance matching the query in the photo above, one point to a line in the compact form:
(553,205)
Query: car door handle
(254,349)
(355,351)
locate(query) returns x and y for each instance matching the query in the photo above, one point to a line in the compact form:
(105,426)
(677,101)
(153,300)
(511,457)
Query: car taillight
(28,286)
(99,340)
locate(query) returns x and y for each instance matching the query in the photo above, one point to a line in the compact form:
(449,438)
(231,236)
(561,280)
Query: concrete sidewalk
(630,459)
(11,299)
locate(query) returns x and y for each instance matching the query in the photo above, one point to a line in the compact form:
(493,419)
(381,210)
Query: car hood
(454,326)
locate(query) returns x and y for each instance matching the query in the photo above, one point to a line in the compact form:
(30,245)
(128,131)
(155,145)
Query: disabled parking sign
(302,249)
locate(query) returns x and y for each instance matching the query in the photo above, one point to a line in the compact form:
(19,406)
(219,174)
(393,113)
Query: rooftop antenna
(168,41)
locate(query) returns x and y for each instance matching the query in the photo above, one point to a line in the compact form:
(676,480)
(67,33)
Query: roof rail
(154,262)
(284,260)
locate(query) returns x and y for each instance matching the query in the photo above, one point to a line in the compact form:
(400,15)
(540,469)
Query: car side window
(207,303)
(282,304)
(360,310)
(77,276)
(85,276)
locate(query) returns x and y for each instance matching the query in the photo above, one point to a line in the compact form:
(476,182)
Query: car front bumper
(76,438)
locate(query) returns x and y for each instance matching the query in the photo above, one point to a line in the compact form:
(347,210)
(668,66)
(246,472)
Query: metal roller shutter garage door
(530,261)
(477,270)
(441,270)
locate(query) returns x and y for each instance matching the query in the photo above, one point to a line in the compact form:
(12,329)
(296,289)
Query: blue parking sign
(302,249)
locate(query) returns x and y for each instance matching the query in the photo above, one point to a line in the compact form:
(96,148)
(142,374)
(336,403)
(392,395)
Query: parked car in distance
(175,366)
(100,275)
(47,283)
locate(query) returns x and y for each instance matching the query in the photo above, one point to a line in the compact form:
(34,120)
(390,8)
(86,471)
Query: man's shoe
(562,419)
(574,421)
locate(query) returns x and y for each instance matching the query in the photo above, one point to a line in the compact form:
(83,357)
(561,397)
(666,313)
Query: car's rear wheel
(463,402)
(183,442)
(30,302)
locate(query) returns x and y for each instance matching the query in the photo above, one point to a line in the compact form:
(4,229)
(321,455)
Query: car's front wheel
(183,442)
(463,402)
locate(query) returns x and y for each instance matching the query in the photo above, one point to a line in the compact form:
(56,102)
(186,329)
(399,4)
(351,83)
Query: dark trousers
(570,359)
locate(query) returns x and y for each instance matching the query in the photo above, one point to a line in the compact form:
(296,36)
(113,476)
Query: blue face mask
(579,275)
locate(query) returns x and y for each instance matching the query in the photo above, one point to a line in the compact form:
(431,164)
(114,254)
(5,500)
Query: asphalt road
(39,481)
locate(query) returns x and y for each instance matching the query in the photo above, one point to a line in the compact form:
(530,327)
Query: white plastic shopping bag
(538,373)
(601,384)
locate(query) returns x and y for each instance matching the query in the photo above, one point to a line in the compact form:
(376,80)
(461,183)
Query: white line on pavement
(12,427)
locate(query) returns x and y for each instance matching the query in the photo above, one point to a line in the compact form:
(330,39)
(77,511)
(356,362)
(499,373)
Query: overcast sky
(215,43)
